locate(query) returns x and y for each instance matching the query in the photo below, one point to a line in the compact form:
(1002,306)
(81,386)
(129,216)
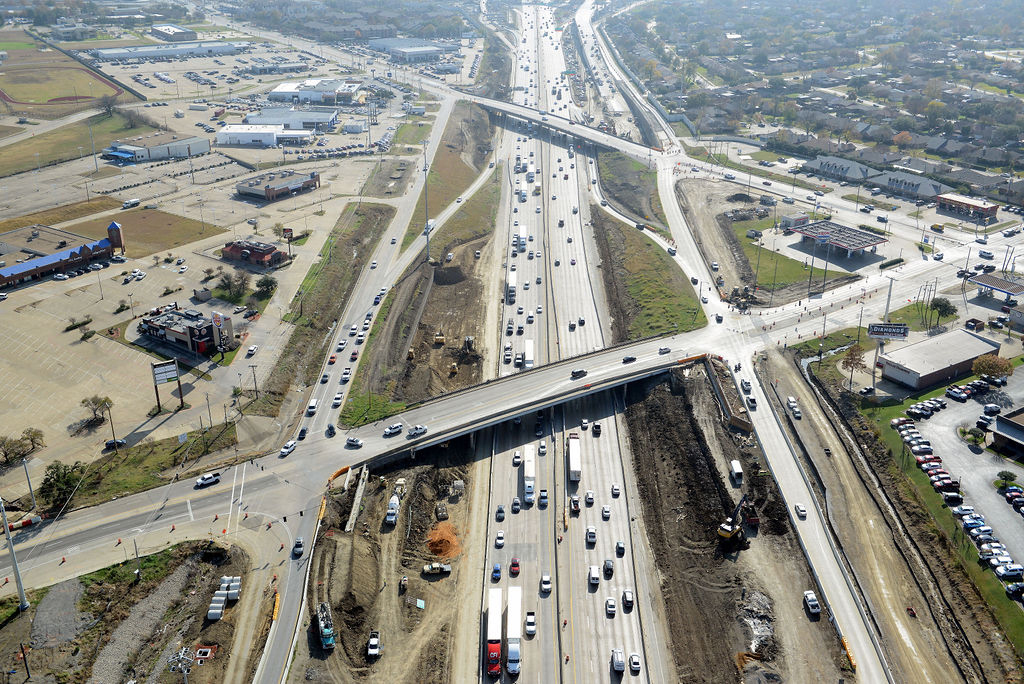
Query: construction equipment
(732,528)
(439,338)
(403,585)
(326,624)
(411,355)
(453,369)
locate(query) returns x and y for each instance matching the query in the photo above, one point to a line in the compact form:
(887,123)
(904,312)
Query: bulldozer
(453,370)
(439,338)
(411,355)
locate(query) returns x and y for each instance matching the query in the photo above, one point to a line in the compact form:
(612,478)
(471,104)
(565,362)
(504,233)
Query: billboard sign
(217,319)
(288,232)
(888,331)
(165,371)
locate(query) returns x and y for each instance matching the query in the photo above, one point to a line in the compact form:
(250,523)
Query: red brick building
(250,252)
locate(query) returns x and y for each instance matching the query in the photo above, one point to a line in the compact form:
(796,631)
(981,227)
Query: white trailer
(575,460)
(528,355)
(514,630)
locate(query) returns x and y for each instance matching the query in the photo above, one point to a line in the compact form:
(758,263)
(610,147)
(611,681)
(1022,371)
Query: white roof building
(260,135)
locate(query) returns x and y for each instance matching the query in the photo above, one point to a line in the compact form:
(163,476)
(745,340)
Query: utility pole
(31,490)
(426,213)
(880,347)
(254,387)
(23,603)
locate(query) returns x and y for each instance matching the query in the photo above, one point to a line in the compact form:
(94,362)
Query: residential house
(840,169)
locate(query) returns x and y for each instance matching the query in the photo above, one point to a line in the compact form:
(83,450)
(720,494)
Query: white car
(591,534)
(609,606)
(182,269)
(606,512)
(60,276)
(417,430)
(141,275)
(545,584)
(337,400)
(615,489)
(499,539)
(589,497)
(373,264)
(288,447)
(531,623)
(801,512)
(252,350)
(393,429)
(813,607)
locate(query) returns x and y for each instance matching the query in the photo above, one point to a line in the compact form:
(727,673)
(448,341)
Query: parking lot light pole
(131,304)
(254,387)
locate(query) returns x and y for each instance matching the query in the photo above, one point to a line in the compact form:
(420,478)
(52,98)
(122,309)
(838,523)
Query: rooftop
(155,140)
(998,284)
(975,202)
(845,237)
(941,351)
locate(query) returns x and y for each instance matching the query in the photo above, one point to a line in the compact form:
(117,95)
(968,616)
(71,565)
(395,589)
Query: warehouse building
(208,48)
(411,49)
(261,135)
(172,33)
(936,360)
(188,329)
(318,119)
(275,186)
(277,68)
(316,91)
(156,147)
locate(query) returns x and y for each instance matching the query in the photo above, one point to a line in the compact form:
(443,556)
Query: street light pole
(254,387)
(131,304)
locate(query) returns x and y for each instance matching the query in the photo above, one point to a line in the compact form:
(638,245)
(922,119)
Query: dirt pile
(443,541)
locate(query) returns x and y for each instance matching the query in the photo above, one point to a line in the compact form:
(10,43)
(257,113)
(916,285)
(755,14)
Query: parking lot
(975,469)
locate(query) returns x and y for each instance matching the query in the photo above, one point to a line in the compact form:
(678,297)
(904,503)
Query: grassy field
(414,131)
(775,267)
(631,185)
(9,130)
(449,176)
(32,85)
(148,231)
(654,294)
(474,219)
(67,212)
(138,468)
(915,314)
(62,144)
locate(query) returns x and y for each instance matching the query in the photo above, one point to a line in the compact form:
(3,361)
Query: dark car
(628,359)
(299,547)
(500,515)
(330,430)
(115,444)
(609,567)
(302,433)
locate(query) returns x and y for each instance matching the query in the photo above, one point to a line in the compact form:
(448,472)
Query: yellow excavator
(439,338)
(732,528)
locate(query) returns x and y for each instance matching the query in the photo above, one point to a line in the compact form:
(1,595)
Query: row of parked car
(992,552)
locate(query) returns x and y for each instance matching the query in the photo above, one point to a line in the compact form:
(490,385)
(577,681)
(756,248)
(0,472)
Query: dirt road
(731,610)
(915,646)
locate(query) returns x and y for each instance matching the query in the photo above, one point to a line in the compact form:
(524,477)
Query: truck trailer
(514,631)
(529,473)
(575,460)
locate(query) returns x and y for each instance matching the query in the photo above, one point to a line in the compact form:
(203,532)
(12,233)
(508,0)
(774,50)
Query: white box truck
(575,461)
(529,473)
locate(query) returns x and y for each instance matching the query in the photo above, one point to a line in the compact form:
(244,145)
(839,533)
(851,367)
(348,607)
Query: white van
(736,472)
(985,254)
(311,409)
(593,575)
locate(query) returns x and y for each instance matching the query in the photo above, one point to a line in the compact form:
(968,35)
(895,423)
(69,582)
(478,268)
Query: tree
(97,405)
(853,360)
(1006,477)
(902,139)
(60,481)
(107,104)
(12,448)
(277,229)
(943,308)
(990,364)
(34,436)
(265,286)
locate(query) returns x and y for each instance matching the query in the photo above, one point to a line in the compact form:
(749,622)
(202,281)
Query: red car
(334,357)
(513,568)
(354,355)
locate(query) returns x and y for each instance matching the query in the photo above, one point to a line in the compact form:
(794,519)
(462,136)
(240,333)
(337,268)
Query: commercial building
(854,241)
(277,68)
(411,49)
(251,252)
(935,360)
(316,91)
(840,169)
(792,220)
(73,32)
(1008,433)
(261,135)
(188,329)
(275,186)
(910,185)
(208,48)
(172,33)
(354,126)
(156,147)
(48,254)
(317,119)
(971,208)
